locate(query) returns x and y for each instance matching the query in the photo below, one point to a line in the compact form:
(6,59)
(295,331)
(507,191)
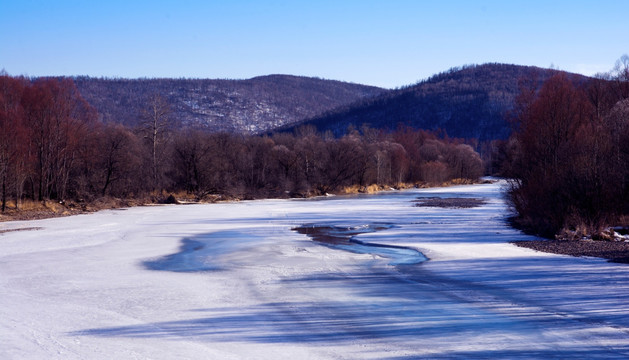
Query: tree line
(54,147)
(569,155)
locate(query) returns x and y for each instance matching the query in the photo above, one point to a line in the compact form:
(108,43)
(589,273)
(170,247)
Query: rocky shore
(614,251)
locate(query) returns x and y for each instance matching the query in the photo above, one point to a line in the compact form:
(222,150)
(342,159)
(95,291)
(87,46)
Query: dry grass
(374,188)
(32,205)
(357,189)
(30,210)
(354,189)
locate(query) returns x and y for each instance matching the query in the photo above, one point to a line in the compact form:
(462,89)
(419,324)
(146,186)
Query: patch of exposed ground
(450,202)
(343,237)
(35,215)
(20,229)
(614,251)
(36,210)
(337,235)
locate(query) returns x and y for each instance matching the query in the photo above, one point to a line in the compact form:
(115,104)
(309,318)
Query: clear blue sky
(384,43)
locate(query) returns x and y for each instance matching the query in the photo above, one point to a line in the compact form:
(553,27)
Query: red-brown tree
(13,130)
(570,172)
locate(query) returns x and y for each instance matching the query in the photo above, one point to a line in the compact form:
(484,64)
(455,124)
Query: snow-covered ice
(233,281)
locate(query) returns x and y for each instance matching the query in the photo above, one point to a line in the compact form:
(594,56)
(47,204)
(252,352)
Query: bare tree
(13,134)
(57,118)
(620,75)
(117,156)
(191,152)
(155,125)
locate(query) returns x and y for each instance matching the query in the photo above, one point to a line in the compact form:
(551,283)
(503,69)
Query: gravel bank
(614,251)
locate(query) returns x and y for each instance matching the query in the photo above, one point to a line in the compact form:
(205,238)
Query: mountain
(467,102)
(245,106)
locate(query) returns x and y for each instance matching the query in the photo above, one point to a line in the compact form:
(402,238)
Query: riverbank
(36,210)
(614,251)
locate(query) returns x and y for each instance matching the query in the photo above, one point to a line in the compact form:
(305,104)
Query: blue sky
(383,43)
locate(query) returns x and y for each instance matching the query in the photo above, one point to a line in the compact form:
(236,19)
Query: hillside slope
(247,106)
(467,102)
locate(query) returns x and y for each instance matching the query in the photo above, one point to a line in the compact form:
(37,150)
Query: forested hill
(467,102)
(244,106)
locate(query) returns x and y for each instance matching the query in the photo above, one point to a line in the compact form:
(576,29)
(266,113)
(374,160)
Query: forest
(569,155)
(468,102)
(54,147)
(249,106)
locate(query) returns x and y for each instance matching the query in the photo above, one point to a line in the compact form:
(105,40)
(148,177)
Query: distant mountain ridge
(254,105)
(467,102)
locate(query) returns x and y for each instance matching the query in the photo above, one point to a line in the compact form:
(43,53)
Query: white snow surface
(233,281)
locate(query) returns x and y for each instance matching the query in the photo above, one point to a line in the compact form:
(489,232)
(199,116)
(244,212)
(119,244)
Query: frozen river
(379,278)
